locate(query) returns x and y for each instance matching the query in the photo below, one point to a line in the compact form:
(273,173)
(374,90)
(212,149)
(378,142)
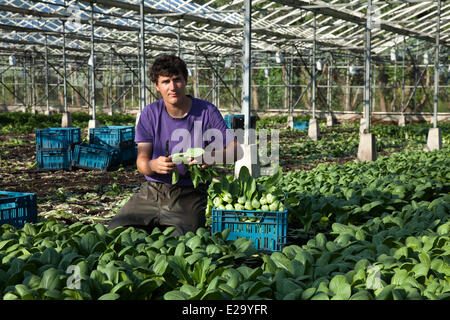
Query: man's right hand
(162,165)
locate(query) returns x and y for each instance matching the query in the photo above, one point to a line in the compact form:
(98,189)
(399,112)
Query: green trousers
(161,205)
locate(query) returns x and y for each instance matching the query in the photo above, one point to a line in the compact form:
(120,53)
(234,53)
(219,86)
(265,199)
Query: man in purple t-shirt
(178,121)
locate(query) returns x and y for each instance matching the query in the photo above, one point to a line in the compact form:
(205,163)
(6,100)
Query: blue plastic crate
(229,119)
(57,138)
(128,154)
(268,232)
(112,136)
(301,125)
(17,208)
(92,156)
(54,159)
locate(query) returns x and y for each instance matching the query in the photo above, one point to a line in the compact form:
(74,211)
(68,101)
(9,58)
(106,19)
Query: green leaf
(361,295)
(181,248)
(320,296)
(399,277)
(111,272)
(340,287)
(109,296)
(123,288)
(228,290)
(424,258)
(369,206)
(88,242)
(10,296)
(179,267)
(50,279)
(269,265)
(308,293)
(24,292)
(420,269)
(53,294)
(145,288)
(193,258)
(176,295)
(201,269)
(385,293)
(191,291)
(194,242)
(7,243)
(175,176)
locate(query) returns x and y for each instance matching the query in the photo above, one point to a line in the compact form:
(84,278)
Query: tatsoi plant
(244,193)
(198,174)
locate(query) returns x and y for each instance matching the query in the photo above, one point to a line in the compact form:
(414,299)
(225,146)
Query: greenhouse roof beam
(358,18)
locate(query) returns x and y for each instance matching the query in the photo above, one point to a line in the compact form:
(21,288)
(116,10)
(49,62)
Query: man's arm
(148,166)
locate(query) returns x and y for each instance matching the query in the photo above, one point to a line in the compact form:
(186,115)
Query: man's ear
(156,86)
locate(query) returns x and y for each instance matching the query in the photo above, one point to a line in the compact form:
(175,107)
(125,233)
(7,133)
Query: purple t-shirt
(196,129)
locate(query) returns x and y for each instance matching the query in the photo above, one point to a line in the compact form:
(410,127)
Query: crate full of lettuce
(249,209)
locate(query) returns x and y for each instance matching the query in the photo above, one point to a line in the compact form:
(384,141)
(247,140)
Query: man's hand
(162,165)
(193,161)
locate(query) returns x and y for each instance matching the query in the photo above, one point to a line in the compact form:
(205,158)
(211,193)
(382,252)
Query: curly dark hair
(167,66)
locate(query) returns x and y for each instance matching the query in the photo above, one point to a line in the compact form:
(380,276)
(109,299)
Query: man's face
(172,88)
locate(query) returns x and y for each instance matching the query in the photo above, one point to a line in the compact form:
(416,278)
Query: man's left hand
(193,161)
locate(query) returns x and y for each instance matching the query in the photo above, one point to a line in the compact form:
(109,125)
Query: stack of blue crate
(108,146)
(54,147)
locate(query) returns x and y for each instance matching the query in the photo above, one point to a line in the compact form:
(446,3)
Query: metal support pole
(395,78)
(328,85)
(235,87)
(64,67)
(291,71)
(142,43)
(92,62)
(16,86)
(374,77)
(214,86)
(196,93)
(416,67)
(367,68)
(246,72)
(313,67)
(285,81)
(110,103)
(33,84)
(268,83)
(25,84)
(132,89)
(347,88)
(3,89)
(178,38)
(436,66)
(117,85)
(218,83)
(403,74)
(72,76)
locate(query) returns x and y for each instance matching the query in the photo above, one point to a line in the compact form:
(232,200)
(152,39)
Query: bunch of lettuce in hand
(199,172)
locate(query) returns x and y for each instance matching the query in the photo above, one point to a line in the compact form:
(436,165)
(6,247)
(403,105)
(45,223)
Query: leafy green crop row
(357,192)
(37,262)
(22,122)
(377,230)
(343,141)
